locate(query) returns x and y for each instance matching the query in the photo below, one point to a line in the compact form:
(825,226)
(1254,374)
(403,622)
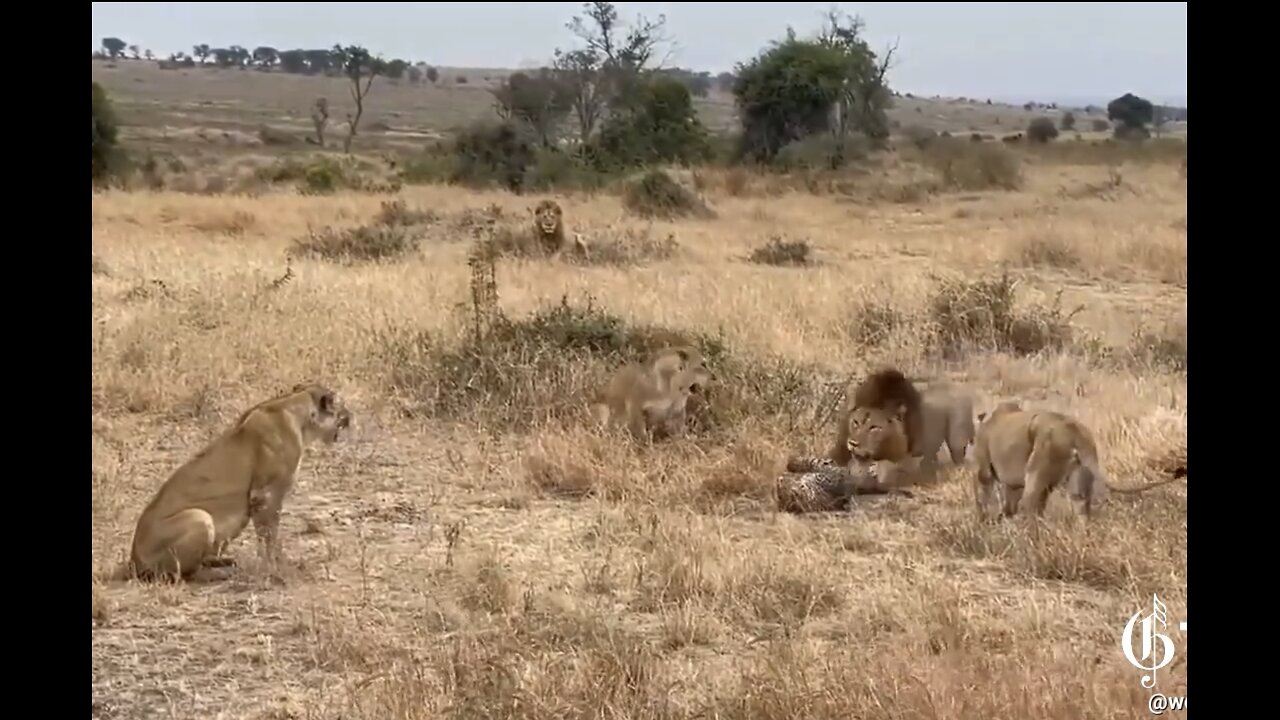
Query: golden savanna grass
(459,556)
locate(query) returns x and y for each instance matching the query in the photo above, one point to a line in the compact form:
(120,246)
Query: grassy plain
(462,555)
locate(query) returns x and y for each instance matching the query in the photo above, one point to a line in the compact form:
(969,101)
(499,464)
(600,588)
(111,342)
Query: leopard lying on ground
(818,484)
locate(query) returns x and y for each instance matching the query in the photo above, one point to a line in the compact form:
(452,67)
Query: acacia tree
(113,46)
(358,65)
(538,101)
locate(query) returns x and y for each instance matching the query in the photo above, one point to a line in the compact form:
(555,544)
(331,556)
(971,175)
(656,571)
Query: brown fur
(884,419)
(548,226)
(245,474)
(1031,454)
(652,398)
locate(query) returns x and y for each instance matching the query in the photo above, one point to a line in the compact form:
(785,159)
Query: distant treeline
(325,62)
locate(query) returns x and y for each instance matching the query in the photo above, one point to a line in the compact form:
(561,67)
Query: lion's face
(547,217)
(329,416)
(878,434)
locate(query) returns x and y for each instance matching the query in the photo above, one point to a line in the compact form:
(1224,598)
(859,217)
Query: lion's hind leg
(178,545)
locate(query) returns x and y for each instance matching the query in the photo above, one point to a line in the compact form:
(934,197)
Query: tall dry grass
(477,550)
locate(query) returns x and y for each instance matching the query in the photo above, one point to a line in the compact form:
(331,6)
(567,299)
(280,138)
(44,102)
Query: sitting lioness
(243,475)
(1030,454)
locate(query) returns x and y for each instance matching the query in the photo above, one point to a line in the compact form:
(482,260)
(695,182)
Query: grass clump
(657,195)
(982,315)
(397,213)
(365,243)
(796,253)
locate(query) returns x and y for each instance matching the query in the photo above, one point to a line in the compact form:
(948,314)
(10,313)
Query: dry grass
(475,550)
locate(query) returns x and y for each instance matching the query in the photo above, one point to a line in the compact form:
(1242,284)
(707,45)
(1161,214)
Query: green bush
(106,154)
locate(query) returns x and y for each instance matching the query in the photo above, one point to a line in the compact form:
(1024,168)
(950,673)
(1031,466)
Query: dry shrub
(969,166)
(398,213)
(657,195)
(1166,350)
(796,253)
(982,315)
(365,243)
(872,321)
(1045,251)
(235,224)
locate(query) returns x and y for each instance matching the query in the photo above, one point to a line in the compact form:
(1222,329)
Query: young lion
(1030,454)
(243,475)
(649,398)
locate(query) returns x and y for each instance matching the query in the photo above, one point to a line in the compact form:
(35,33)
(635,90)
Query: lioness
(649,398)
(1030,454)
(243,475)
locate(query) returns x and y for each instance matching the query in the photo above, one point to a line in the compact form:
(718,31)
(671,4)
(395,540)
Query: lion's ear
(684,354)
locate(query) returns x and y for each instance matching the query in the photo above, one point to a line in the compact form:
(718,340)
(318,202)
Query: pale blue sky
(1063,52)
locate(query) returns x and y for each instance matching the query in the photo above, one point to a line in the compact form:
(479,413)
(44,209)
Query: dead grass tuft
(781,252)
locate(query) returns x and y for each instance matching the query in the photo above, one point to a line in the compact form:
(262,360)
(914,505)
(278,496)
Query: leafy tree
(293,61)
(202,52)
(113,46)
(659,125)
(415,74)
(608,67)
(432,75)
(724,81)
(395,69)
(786,93)
(265,57)
(538,101)
(358,65)
(1068,122)
(1130,114)
(148,55)
(135,51)
(864,96)
(320,62)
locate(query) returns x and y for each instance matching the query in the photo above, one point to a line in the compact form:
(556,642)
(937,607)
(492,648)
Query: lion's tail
(1088,462)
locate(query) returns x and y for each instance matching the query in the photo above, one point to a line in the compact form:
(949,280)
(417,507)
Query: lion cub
(1031,453)
(243,475)
(652,399)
